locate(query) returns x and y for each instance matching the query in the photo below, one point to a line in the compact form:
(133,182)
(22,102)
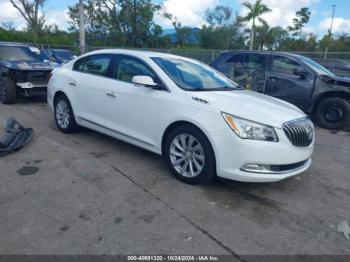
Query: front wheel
(7,91)
(189,155)
(333,113)
(64,115)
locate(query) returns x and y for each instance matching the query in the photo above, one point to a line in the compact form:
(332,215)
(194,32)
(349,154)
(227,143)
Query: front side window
(129,67)
(319,69)
(284,65)
(193,76)
(95,64)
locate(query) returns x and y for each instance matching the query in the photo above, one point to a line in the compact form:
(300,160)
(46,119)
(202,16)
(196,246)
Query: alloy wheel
(187,155)
(62,114)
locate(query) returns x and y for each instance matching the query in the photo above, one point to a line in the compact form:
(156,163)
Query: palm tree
(255,11)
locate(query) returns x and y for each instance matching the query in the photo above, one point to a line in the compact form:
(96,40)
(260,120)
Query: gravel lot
(87,193)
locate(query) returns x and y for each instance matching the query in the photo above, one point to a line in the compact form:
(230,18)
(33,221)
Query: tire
(187,144)
(333,113)
(7,91)
(64,115)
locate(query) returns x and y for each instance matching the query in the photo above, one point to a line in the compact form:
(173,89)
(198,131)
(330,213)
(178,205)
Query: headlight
(250,130)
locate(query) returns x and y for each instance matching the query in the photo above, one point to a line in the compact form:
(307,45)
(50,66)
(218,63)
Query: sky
(190,13)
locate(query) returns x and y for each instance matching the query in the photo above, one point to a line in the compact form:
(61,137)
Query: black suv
(293,78)
(24,70)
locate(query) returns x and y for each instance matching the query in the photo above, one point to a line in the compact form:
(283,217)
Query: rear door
(88,82)
(283,84)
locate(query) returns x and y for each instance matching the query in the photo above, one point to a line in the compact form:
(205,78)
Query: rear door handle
(72,83)
(111,94)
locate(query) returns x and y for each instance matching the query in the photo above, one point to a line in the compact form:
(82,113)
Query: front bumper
(233,153)
(29,89)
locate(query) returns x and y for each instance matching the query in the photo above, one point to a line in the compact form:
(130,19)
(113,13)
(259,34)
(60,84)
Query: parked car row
(24,69)
(204,122)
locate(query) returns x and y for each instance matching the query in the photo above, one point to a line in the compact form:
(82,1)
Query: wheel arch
(323,96)
(178,123)
(57,94)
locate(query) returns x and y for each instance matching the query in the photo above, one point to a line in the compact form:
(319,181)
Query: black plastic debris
(15,137)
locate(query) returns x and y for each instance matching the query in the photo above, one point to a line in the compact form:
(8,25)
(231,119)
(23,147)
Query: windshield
(193,76)
(21,53)
(64,55)
(319,69)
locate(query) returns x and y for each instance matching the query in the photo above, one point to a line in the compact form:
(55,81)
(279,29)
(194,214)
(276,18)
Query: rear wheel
(7,91)
(189,155)
(64,115)
(333,113)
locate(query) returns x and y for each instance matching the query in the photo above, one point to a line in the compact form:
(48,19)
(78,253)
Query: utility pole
(135,26)
(81,27)
(330,34)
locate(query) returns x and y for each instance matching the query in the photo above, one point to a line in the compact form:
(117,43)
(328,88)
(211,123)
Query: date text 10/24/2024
(173,258)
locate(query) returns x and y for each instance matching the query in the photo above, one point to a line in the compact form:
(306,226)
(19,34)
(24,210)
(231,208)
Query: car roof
(15,44)
(137,53)
(57,49)
(260,52)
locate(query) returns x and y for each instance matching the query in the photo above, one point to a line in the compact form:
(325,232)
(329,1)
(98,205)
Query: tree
(254,12)
(117,22)
(31,11)
(223,29)
(182,32)
(301,19)
(219,16)
(270,38)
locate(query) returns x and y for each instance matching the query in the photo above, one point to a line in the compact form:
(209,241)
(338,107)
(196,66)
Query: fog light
(258,168)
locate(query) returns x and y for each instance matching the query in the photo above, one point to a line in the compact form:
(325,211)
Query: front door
(133,110)
(284,84)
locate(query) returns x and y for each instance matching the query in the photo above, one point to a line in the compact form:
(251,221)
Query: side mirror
(299,71)
(144,81)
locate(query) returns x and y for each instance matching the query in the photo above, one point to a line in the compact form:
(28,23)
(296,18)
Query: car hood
(338,80)
(30,65)
(249,105)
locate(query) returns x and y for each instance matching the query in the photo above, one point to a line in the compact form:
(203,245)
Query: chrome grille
(300,132)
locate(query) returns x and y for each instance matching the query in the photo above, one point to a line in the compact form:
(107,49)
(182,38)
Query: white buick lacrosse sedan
(203,124)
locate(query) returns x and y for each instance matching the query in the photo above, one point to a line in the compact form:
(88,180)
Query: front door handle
(110,94)
(72,83)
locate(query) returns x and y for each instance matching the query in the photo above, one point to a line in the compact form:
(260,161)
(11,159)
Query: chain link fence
(205,56)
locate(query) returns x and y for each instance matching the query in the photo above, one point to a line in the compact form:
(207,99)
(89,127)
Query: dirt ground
(87,193)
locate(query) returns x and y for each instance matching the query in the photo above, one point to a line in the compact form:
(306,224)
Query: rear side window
(95,64)
(129,67)
(247,69)
(284,65)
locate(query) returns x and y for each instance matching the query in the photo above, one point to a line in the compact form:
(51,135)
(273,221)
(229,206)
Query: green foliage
(223,31)
(254,12)
(301,19)
(119,22)
(50,35)
(31,11)
(130,23)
